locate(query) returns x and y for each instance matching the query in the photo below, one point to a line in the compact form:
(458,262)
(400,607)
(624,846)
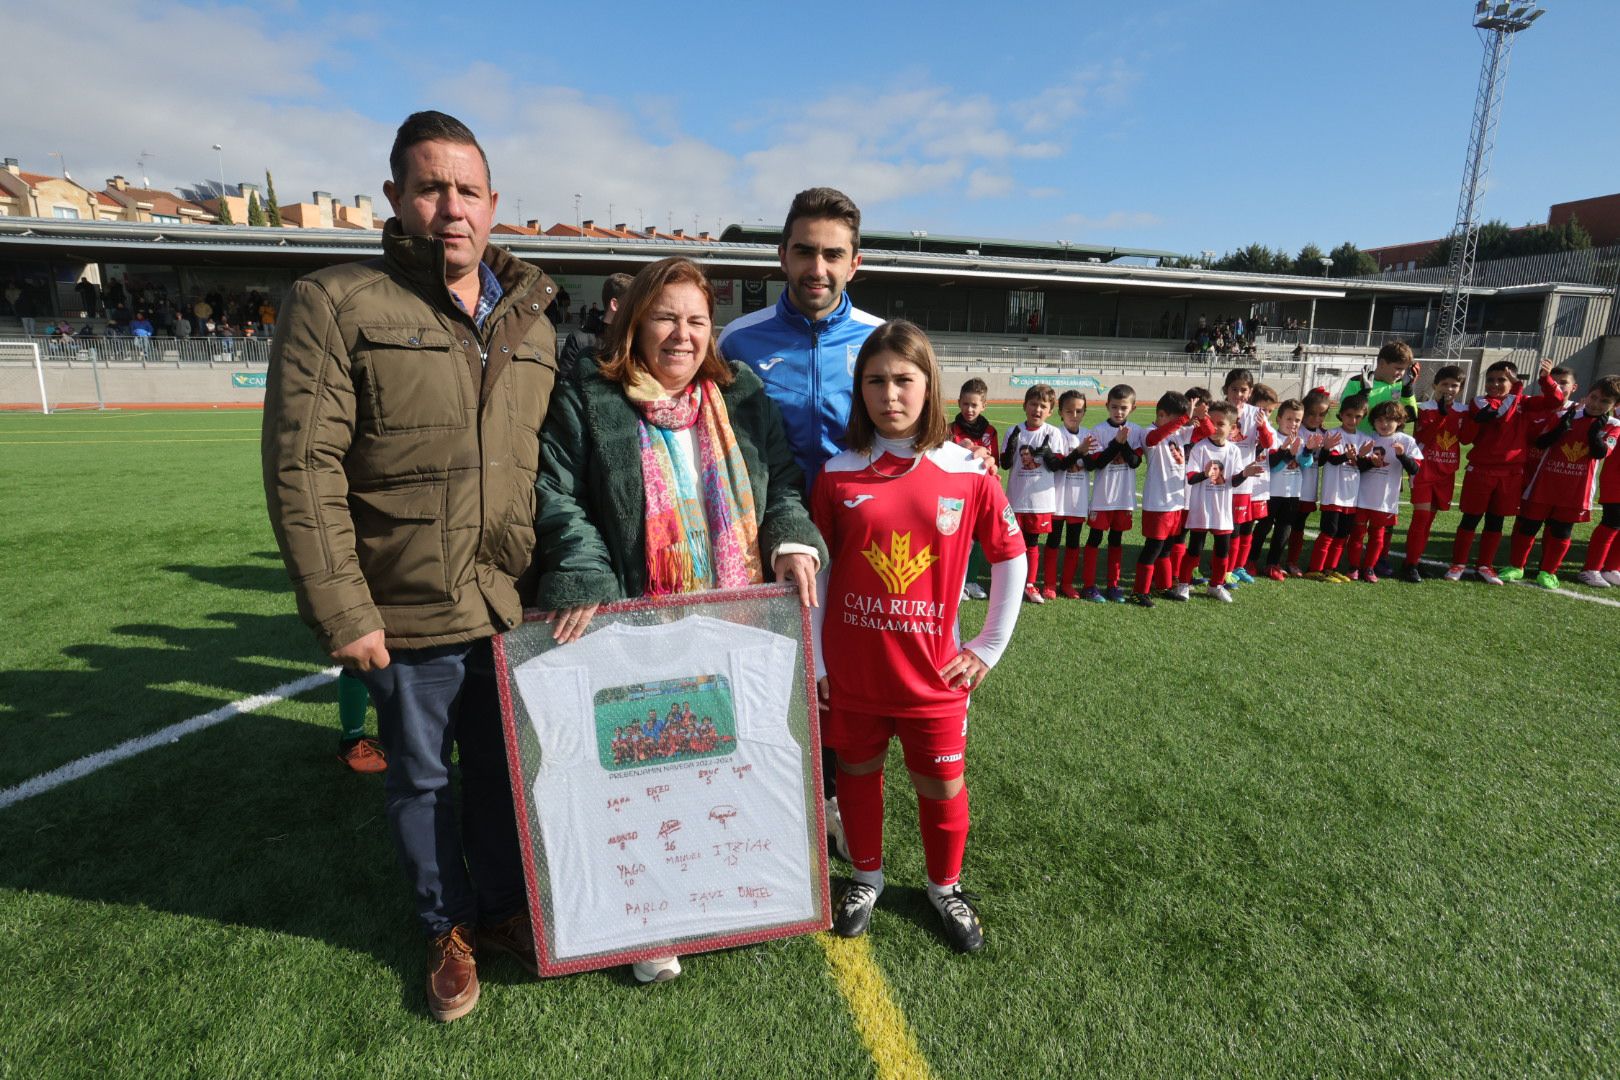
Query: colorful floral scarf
(700,535)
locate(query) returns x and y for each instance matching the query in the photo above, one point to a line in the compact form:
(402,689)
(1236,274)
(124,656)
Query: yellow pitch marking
(881,1024)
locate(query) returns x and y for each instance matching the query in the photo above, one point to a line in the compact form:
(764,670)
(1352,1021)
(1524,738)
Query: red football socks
(1553,550)
(1032,556)
(1417,535)
(1489,542)
(1088,572)
(1519,548)
(1598,547)
(1049,564)
(1116,565)
(1377,540)
(1460,547)
(1071,563)
(944,827)
(860,804)
(1170,568)
(1296,546)
(1358,535)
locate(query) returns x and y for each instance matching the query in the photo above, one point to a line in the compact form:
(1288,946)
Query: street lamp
(919,235)
(1327,265)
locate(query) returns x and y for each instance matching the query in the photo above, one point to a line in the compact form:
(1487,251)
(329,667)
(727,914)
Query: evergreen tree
(272,211)
(255,211)
(225,210)
(1351,261)
(1308,263)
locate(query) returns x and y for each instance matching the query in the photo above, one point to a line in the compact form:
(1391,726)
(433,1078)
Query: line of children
(900,510)
(1353,474)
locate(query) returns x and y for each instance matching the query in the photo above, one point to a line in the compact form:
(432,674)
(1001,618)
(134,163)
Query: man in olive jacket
(400,445)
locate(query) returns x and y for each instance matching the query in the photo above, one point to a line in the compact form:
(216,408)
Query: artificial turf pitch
(1328,829)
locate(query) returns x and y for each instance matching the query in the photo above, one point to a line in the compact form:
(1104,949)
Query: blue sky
(1175,125)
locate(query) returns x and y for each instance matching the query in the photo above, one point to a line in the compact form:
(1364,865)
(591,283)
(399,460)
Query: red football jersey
(1502,441)
(986,438)
(1439,433)
(899,532)
(1564,478)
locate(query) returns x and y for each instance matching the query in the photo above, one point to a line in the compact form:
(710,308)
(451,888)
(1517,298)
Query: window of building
(166,219)
(1571,316)
(68,212)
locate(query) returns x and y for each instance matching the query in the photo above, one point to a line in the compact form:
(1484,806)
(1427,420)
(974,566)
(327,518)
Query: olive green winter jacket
(399,465)
(592,527)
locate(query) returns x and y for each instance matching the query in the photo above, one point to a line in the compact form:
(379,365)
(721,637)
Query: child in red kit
(1496,426)
(1439,435)
(1560,492)
(1602,569)
(900,510)
(973,429)
(1164,500)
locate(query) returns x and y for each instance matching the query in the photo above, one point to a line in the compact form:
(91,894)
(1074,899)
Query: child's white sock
(936,893)
(873,878)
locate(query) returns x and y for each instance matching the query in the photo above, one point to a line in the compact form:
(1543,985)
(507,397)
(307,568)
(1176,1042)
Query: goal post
(22,377)
(35,378)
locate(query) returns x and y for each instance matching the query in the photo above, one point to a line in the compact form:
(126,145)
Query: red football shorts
(1163,524)
(1307,508)
(1038,524)
(1492,489)
(935,746)
(1433,488)
(1110,520)
(1241,509)
(1259,509)
(1376,518)
(1536,510)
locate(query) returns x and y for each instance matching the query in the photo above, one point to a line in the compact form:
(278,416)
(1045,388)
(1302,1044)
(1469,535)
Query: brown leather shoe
(514,935)
(452,982)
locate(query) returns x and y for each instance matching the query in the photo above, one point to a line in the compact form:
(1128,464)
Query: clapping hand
(1123,434)
(1253,468)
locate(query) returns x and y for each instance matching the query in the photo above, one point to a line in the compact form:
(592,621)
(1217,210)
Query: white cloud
(1056,107)
(163,84)
(983,184)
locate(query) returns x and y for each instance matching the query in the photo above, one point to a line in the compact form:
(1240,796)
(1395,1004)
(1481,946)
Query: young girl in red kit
(900,510)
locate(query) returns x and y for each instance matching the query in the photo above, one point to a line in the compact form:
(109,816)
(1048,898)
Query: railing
(1361,339)
(154,350)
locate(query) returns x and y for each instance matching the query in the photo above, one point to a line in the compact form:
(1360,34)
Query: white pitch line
(84,766)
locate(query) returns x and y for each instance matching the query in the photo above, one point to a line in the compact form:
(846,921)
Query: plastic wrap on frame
(666,773)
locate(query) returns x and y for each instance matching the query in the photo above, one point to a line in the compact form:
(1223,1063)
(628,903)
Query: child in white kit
(1391,454)
(1032,459)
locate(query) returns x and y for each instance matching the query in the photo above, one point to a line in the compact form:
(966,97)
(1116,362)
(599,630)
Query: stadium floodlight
(1497,32)
(919,235)
(1481,7)
(1327,265)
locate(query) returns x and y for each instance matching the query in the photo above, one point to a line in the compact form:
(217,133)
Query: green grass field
(1327,830)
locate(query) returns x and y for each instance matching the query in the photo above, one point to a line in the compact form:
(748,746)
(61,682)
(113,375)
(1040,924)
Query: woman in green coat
(664,470)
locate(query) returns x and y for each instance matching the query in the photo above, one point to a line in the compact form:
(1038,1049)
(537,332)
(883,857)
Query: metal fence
(1375,339)
(1592,266)
(154,350)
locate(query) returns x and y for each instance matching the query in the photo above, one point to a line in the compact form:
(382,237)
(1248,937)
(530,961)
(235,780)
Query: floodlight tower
(1497,26)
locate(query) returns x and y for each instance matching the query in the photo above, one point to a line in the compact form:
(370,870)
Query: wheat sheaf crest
(898,567)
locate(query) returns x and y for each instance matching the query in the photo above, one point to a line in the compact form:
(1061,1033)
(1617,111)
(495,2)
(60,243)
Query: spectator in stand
(582,343)
(140,326)
(180,324)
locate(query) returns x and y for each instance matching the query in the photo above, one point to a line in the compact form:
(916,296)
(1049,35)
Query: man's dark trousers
(428,700)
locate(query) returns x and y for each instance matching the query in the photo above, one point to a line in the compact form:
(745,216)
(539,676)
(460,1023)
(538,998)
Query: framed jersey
(666,773)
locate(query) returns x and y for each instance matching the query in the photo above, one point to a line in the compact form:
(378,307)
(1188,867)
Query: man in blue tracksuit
(804,349)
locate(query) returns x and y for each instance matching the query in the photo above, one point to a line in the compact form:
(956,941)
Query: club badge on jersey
(949,516)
